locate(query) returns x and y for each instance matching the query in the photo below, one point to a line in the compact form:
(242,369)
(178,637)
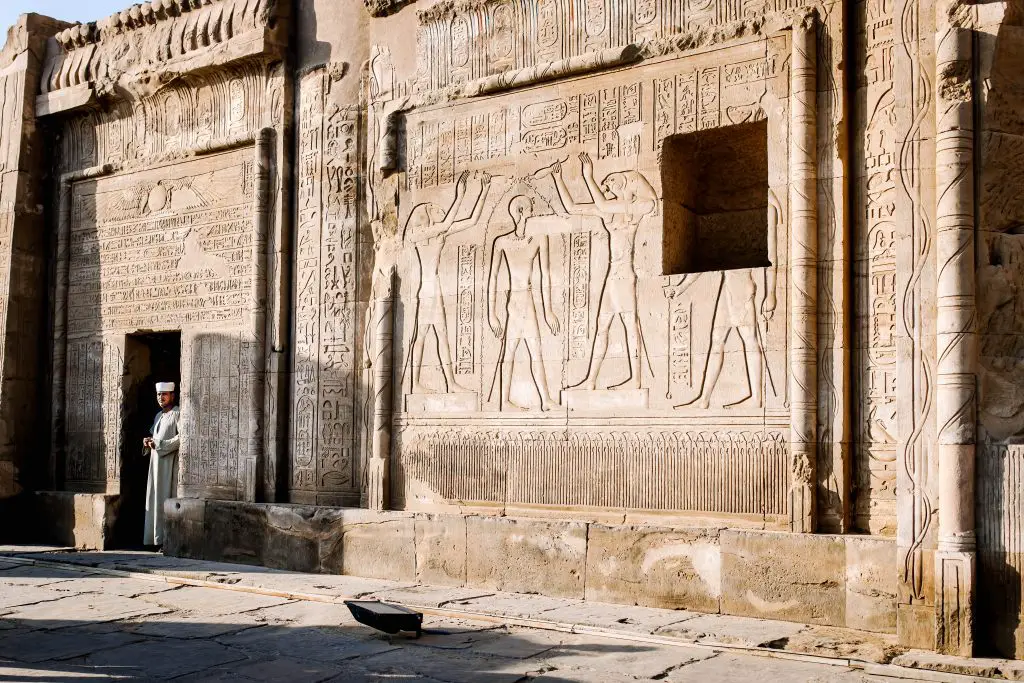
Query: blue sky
(68,10)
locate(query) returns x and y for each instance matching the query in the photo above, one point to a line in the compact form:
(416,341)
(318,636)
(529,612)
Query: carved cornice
(138,51)
(383,8)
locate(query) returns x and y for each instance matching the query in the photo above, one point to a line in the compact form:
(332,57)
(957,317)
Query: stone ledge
(80,520)
(711,570)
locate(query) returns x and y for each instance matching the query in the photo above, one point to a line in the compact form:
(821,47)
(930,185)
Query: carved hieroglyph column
(803,252)
(956,329)
(383,363)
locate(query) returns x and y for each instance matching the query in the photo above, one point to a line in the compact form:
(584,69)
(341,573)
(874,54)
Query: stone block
(871,584)
(185,528)
(441,549)
(235,532)
(83,520)
(673,569)
(378,545)
(526,555)
(292,538)
(792,577)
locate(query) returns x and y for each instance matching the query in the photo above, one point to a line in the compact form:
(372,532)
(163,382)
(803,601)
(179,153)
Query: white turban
(161,387)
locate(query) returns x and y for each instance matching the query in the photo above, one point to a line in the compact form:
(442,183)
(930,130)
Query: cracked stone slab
(34,647)
(430,596)
(305,613)
(617,617)
(513,604)
(316,644)
(211,601)
(730,630)
(32,575)
(15,596)
(448,666)
(523,643)
(825,641)
(81,609)
(642,660)
(1007,669)
(116,585)
(455,634)
(193,626)
(733,668)
(163,658)
(49,672)
(582,676)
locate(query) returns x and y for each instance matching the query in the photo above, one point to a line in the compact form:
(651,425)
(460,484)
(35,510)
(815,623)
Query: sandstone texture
(711,305)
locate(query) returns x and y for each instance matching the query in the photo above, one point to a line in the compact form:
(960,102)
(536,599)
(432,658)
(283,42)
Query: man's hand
(148,442)
(552,320)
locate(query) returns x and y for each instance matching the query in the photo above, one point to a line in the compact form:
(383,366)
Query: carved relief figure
(621,201)
(520,250)
(427,229)
(736,309)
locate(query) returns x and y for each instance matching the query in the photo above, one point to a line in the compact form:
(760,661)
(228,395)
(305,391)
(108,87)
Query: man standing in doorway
(163,463)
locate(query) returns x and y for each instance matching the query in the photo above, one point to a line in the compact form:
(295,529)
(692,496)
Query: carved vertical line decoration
(956,334)
(256,360)
(804,259)
(383,375)
(60,334)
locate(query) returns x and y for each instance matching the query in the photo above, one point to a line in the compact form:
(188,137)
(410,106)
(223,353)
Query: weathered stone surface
(441,549)
(760,578)
(526,555)
(79,520)
(871,584)
(677,569)
(367,543)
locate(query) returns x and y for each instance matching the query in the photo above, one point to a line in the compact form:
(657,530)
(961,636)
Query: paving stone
(616,617)
(287,669)
(730,630)
(14,596)
(164,658)
(315,644)
(448,666)
(583,676)
(513,604)
(522,643)
(455,634)
(304,613)
(194,626)
(116,585)
(55,671)
(733,668)
(31,575)
(430,596)
(64,644)
(621,656)
(211,601)
(79,609)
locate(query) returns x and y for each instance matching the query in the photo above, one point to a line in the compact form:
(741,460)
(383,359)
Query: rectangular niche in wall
(715,186)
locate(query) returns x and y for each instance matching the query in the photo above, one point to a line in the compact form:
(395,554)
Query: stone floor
(140,616)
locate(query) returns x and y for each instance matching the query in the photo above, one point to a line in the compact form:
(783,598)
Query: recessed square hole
(715,188)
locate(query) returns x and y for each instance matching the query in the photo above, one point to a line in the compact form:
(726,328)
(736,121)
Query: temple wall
(741,275)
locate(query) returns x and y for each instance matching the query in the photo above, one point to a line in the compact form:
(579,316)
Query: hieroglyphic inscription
(162,248)
(93,422)
(876,465)
(679,337)
(579,294)
(465,322)
(217,415)
(324,401)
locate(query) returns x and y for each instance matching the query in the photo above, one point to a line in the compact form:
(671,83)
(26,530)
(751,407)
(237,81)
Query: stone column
(263,216)
(22,255)
(803,255)
(957,339)
(379,485)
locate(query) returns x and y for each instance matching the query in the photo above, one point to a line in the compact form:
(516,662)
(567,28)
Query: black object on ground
(386,617)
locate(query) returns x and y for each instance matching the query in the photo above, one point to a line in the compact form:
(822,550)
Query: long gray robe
(163,474)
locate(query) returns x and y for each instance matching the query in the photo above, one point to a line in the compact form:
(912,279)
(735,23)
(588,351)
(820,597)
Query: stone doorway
(149,358)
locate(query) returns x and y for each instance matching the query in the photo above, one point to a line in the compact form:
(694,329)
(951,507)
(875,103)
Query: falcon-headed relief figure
(621,201)
(522,252)
(427,229)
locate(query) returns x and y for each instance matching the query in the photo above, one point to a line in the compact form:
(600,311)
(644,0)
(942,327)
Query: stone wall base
(846,581)
(81,520)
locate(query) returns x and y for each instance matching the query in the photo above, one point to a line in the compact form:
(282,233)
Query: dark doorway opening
(149,358)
